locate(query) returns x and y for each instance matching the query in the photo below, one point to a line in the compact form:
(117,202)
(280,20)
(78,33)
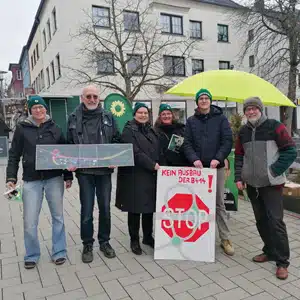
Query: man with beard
(264,151)
(91,124)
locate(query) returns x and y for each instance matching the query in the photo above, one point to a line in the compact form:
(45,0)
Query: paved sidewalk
(140,277)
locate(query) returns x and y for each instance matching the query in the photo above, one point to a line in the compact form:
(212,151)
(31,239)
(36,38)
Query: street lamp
(1,92)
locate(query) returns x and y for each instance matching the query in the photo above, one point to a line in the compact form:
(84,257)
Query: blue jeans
(88,185)
(33,194)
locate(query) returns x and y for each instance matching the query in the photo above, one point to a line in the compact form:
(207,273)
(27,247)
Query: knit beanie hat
(163,107)
(36,100)
(138,105)
(254,101)
(203,92)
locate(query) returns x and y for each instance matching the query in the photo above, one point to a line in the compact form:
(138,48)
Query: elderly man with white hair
(91,124)
(264,151)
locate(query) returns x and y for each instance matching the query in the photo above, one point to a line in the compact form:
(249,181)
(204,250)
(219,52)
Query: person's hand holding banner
(240,185)
(198,164)
(72,169)
(68,184)
(214,163)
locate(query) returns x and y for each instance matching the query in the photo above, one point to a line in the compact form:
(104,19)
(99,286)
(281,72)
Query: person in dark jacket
(167,127)
(38,129)
(91,124)
(207,143)
(264,151)
(136,186)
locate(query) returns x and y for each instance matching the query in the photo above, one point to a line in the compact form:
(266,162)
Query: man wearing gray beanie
(263,152)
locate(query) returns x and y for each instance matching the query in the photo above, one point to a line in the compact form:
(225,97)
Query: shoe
(87,254)
(135,247)
(149,242)
(60,261)
(282,273)
(29,265)
(107,250)
(227,247)
(261,258)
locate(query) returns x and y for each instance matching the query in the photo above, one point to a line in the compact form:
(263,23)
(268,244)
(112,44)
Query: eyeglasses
(37,107)
(89,97)
(204,99)
(251,108)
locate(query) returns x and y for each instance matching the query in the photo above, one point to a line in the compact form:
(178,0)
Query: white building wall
(72,14)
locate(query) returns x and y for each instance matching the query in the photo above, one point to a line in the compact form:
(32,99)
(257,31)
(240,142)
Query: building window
(42,80)
(174,65)
(48,77)
(223,33)
(251,61)
(49,31)
(54,21)
(37,80)
(105,63)
(19,75)
(250,35)
(52,71)
(178,109)
(101,16)
(224,65)
(58,65)
(32,64)
(197,66)
(131,21)
(171,24)
(44,39)
(34,57)
(196,29)
(135,64)
(37,52)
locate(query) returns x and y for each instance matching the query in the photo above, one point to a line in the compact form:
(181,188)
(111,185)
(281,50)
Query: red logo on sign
(189,231)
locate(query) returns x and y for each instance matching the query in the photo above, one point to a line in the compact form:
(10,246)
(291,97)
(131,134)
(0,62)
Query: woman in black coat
(136,186)
(166,126)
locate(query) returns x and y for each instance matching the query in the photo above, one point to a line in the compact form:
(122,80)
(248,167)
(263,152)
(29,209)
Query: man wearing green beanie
(38,129)
(207,143)
(138,105)
(203,92)
(36,100)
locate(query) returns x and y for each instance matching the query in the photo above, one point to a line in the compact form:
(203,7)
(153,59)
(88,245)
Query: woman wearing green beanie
(170,133)
(136,186)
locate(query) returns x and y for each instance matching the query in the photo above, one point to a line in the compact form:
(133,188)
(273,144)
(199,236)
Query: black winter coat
(26,137)
(136,186)
(208,137)
(168,157)
(108,133)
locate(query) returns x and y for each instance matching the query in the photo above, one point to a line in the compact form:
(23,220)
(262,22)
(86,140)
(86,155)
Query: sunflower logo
(117,108)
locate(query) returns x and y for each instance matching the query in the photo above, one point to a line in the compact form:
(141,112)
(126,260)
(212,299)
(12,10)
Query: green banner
(231,193)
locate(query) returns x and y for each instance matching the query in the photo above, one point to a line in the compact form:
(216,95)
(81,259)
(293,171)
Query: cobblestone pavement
(140,277)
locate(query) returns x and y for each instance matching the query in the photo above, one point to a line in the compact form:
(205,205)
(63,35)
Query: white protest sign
(185,214)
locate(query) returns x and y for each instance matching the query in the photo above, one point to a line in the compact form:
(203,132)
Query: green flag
(120,107)
(231,192)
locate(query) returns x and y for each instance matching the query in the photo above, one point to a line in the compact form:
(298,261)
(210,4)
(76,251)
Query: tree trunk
(291,121)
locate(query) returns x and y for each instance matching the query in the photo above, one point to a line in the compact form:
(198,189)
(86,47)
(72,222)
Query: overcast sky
(16,20)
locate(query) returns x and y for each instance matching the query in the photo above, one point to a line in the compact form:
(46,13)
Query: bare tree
(125,52)
(274,36)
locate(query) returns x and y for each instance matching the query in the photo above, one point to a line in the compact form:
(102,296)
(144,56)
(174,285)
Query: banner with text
(83,156)
(185,214)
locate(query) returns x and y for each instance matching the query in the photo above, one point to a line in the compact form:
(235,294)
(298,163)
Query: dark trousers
(88,185)
(267,205)
(134,226)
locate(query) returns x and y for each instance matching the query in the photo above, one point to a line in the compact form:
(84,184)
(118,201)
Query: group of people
(264,151)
